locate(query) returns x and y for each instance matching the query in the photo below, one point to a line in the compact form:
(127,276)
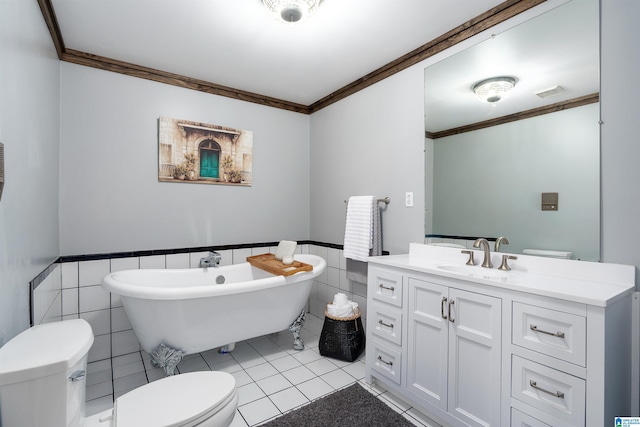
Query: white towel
(342,306)
(362,228)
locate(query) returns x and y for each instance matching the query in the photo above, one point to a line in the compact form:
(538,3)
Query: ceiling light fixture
(494,89)
(291,10)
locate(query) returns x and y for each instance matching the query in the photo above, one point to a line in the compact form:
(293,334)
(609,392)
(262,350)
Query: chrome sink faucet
(502,240)
(487,251)
(213,259)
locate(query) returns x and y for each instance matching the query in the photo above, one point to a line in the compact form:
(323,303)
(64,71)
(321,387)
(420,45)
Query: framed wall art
(192,152)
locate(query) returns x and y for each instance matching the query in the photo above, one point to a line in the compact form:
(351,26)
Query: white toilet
(42,373)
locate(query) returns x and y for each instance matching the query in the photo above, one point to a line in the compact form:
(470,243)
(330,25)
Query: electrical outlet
(408,199)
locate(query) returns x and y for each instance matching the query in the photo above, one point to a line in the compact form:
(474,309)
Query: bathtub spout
(295,328)
(213,259)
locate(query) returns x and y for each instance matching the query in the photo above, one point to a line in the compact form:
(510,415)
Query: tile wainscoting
(272,378)
(70,289)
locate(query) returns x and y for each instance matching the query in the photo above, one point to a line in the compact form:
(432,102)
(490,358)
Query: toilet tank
(547,253)
(36,368)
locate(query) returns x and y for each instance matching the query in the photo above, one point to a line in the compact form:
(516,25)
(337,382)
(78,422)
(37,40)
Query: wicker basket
(342,338)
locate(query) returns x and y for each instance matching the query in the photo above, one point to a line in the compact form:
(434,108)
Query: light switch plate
(409,199)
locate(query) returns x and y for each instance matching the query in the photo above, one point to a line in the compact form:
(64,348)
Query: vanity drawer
(386,286)
(386,361)
(551,332)
(387,323)
(554,392)
(520,419)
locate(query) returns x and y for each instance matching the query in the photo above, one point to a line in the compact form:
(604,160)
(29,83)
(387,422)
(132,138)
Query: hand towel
(359,231)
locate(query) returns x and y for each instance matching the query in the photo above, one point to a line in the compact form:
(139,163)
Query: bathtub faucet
(213,259)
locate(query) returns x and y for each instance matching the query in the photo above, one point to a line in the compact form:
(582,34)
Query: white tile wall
(47,298)
(177,261)
(91,273)
(240,255)
(119,320)
(69,275)
(70,301)
(100,321)
(75,287)
(119,264)
(153,261)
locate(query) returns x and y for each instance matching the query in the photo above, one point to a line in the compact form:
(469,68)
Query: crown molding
(494,16)
(527,114)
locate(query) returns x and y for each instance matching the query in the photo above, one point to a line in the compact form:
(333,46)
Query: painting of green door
(209,163)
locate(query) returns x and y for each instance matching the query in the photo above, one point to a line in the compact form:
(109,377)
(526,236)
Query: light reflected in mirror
(489,182)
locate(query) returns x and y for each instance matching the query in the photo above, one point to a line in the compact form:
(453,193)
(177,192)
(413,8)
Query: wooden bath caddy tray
(268,262)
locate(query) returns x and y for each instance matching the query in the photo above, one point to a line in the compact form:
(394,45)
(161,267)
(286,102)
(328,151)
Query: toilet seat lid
(174,401)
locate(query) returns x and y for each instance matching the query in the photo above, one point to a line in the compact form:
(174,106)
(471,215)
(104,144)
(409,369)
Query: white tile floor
(271,377)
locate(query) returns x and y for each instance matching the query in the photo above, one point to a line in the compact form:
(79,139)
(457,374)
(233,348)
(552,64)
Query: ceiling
(557,48)
(239,45)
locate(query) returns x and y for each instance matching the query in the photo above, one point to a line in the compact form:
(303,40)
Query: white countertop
(592,283)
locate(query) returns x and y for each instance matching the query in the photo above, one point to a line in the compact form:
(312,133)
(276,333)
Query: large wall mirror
(488,164)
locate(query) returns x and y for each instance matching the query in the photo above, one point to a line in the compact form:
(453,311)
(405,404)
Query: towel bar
(386,200)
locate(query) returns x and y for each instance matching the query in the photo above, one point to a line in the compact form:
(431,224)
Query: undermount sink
(476,271)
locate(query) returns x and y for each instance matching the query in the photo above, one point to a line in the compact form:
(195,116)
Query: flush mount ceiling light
(291,10)
(494,89)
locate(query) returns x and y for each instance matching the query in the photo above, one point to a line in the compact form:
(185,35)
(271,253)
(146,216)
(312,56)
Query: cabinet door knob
(451,319)
(442,304)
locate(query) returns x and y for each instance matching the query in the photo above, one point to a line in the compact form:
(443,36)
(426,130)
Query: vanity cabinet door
(474,357)
(427,341)
(454,349)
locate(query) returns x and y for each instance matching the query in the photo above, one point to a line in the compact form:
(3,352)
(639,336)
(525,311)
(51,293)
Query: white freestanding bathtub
(176,312)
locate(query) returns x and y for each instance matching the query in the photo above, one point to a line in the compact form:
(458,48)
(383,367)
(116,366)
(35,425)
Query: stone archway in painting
(209,152)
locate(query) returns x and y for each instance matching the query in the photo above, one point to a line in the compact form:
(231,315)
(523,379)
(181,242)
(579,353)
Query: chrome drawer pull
(388,325)
(556,334)
(556,394)
(384,287)
(451,319)
(384,361)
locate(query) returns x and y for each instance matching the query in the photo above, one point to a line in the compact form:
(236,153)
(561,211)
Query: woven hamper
(342,338)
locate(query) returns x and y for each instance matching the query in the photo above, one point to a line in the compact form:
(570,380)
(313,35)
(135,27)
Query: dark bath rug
(350,407)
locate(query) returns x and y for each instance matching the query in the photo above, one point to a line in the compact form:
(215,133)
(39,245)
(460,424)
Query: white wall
(620,106)
(355,145)
(110,197)
(488,183)
(371,143)
(29,129)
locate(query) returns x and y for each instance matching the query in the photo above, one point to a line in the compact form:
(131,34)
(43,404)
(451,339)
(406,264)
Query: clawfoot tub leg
(166,358)
(227,348)
(295,328)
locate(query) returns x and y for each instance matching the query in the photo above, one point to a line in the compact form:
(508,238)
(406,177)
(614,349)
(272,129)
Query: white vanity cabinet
(452,344)
(486,352)
(453,350)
